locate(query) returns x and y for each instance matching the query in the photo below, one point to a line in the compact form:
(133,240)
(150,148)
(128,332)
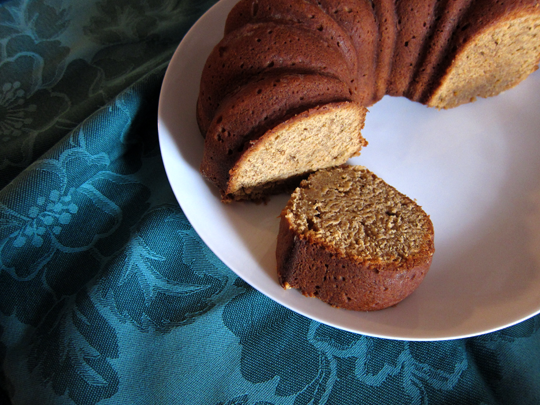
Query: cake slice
(353,241)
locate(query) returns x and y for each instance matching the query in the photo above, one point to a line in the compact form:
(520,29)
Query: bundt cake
(351,240)
(294,64)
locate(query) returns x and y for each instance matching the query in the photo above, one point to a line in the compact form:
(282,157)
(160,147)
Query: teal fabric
(108,295)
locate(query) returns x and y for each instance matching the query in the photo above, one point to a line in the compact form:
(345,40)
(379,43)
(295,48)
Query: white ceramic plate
(474,169)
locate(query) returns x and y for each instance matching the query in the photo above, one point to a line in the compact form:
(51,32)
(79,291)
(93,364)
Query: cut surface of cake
(485,62)
(353,241)
(320,137)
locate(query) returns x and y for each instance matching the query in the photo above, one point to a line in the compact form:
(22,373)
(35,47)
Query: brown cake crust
(260,48)
(358,19)
(352,278)
(416,20)
(385,11)
(300,12)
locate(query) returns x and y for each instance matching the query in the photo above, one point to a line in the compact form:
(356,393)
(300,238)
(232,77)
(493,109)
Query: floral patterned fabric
(107,294)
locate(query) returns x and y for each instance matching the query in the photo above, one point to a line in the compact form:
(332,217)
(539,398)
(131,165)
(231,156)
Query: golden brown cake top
(351,210)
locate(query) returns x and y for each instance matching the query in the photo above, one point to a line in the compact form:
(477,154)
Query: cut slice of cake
(353,241)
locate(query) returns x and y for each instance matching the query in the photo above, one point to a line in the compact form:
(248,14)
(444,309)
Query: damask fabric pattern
(107,294)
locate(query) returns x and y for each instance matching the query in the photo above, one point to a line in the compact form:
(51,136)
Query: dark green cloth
(108,295)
